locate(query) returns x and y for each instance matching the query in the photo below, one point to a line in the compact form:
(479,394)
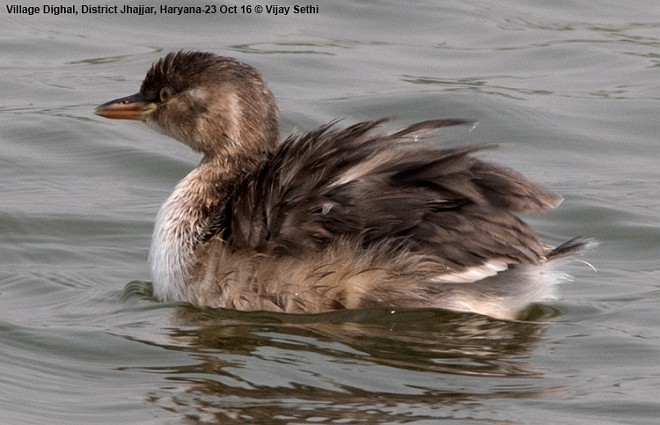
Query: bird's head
(214,104)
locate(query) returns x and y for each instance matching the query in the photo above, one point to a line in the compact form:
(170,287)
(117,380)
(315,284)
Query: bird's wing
(389,188)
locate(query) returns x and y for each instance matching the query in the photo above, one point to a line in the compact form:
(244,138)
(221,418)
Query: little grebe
(334,218)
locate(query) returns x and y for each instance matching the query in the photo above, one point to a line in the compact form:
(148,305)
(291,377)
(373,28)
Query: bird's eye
(165,94)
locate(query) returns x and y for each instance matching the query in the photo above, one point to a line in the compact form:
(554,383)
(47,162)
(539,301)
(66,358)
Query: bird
(332,218)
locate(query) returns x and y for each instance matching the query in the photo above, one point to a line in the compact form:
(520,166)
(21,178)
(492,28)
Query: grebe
(334,218)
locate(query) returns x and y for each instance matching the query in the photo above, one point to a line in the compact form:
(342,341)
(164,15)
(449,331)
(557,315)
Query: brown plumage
(334,218)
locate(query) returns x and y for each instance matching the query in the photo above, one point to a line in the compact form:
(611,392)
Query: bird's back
(387,188)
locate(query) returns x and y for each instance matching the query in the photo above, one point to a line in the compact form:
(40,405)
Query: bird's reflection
(357,366)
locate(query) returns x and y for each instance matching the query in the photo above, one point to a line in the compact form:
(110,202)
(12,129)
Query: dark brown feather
(329,184)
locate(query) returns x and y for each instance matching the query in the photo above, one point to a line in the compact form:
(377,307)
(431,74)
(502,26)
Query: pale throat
(182,224)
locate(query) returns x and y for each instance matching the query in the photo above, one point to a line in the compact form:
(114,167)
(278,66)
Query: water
(570,92)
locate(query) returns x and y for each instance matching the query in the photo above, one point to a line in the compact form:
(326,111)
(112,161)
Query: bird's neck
(186,219)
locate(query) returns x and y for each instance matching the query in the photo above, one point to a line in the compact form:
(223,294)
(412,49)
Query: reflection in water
(366,366)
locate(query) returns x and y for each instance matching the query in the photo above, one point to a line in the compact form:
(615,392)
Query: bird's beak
(133,107)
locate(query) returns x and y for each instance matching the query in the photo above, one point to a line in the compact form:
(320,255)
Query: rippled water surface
(570,90)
